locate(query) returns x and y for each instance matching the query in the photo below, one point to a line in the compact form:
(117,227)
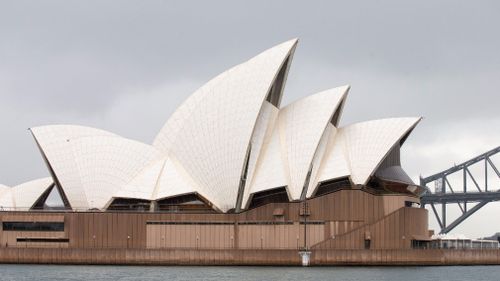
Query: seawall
(246,257)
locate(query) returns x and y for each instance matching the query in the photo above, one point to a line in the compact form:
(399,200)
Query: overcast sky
(124,66)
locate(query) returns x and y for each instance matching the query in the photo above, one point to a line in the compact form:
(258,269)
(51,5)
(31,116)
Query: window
(332,186)
(419,244)
(409,204)
(33,226)
(189,203)
(43,240)
(126,204)
(368,244)
(275,195)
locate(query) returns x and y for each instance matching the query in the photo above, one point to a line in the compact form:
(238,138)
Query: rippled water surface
(53,272)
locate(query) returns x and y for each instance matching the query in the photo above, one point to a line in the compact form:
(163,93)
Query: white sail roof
(317,161)
(105,164)
(55,146)
(226,142)
(91,165)
(210,132)
(334,164)
(26,194)
(174,181)
(23,196)
(6,200)
(302,125)
(358,149)
(271,170)
(142,186)
(290,150)
(368,143)
(158,180)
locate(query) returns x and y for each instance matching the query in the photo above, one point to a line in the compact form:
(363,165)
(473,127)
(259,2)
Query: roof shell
(229,132)
(358,149)
(317,161)
(24,196)
(6,198)
(158,180)
(334,164)
(302,125)
(106,164)
(271,171)
(291,148)
(368,143)
(209,134)
(92,165)
(262,134)
(174,181)
(142,186)
(54,144)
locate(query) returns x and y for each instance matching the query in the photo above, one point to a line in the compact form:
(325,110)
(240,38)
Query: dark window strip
(313,222)
(44,240)
(187,223)
(266,223)
(33,226)
(221,223)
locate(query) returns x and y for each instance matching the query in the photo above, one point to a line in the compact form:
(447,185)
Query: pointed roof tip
(345,89)
(413,119)
(294,41)
(291,44)
(416,119)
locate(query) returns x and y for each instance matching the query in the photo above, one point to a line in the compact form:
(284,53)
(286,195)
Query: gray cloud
(124,66)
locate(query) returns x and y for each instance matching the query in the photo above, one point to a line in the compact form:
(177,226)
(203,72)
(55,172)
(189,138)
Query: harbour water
(150,273)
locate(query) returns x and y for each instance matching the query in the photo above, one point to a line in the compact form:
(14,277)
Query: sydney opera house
(233,175)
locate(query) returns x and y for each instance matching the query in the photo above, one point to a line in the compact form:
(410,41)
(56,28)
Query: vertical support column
(422,205)
(465,187)
(153,207)
(305,225)
(305,253)
(443,214)
(486,174)
(443,204)
(465,179)
(236,236)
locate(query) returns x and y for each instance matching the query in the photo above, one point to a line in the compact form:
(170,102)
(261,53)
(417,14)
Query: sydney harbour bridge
(477,186)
